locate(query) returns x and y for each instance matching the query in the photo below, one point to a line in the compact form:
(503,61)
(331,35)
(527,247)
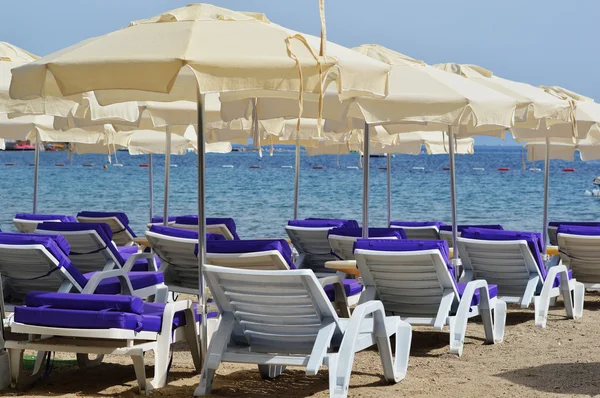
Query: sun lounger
(283,318)
(579,248)
(419,230)
(118,222)
(92,248)
(553,228)
(415,280)
(309,237)
(512,261)
(30,262)
(158,220)
(446,230)
(342,240)
(219,226)
(26,222)
(103,324)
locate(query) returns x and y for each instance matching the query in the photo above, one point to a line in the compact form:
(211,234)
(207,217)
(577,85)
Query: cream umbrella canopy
(143,62)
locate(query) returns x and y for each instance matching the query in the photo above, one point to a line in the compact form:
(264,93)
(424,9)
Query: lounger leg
(578,299)
(191,337)
(39,361)
(270,371)
(394,369)
(488,322)
(458,329)
(16,365)
(84,361)
(161,361)
(140,373)
(499,320)
(216,349)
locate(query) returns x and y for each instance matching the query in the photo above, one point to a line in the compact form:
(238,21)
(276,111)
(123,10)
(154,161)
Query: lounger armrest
(139,256)
(553,272)
(469,292)
(554,261)
(340,293)
(98,277)
(169,314)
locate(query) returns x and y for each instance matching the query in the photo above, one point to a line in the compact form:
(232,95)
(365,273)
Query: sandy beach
(561,360)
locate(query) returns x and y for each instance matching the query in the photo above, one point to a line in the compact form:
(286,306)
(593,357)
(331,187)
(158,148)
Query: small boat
(535,169)
(318,167)
(228,166)
(445,168)
(383,168)
(60,165)
(568,169)
(352,167)
(287,167)
(143,164)
(255,166)
(173,165)
(88,165)
(478,168)
(10,164)
(418,168)
(117,165)
(503,169)
(32,164)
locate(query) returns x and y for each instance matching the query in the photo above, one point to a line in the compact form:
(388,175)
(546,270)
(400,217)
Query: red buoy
(569,169)
(503,169)
(144,165)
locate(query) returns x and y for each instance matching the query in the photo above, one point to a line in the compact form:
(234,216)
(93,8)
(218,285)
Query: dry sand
(561,360)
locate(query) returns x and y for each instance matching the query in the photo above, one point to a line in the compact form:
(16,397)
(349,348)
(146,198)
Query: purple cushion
(124,250)
(406,245)
(182,233)
(251,246)
(437,224)
(139,280)
(576,223)
(345,223)
(122,217)
(373,232)
(316,223)
(94,302)
(492,289)
(461,228)
(351,286)
(45,217)
(193,220)
(101,229)
(533,239)
(578,230)
(56,246)
(158,219)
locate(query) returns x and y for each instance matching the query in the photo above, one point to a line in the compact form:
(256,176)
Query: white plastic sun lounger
(219,226)
(419,230)
(118,222)
(512,261)
(341,240)
(413,281)
(580,252)
(283,318)
(98,324)
(27,223)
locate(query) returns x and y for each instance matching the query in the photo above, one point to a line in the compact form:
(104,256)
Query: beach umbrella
(245,53)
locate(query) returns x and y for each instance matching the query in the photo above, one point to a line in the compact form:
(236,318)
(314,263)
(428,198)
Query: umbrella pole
(150,187)
(366,153)
(167,176)
(389,189)
(453,194)
(201,224)
(546,195)
(36,167)
(297,178)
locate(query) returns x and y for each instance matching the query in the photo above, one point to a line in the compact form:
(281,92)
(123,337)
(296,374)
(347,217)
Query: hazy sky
(550,42)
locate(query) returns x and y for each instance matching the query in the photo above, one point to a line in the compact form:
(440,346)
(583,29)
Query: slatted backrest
(220,229)
(274,311)
(314,245)
(89,252)
(28,226)
(428,232)
(121,235)
(264,260)
(178,257)
(409,283)
(581,253)
(508,264)
(22,266)
(343,246)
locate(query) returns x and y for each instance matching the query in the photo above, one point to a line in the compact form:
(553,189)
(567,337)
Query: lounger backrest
(27,222)
(220,226)
(250,254)
(122,234)
(91,246)
(34,263)
(309,237)
(553,228)
(508,259)
(419,230)
(274,311)
(341,240)
(580,250)
(409,277)
(446,230)
(158,220)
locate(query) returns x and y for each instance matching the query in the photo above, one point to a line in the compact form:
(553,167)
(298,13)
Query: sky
(549,42)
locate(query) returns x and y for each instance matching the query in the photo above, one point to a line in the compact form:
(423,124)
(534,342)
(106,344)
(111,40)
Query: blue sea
(261,199)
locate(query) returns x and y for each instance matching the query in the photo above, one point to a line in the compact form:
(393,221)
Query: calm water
(261,200)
